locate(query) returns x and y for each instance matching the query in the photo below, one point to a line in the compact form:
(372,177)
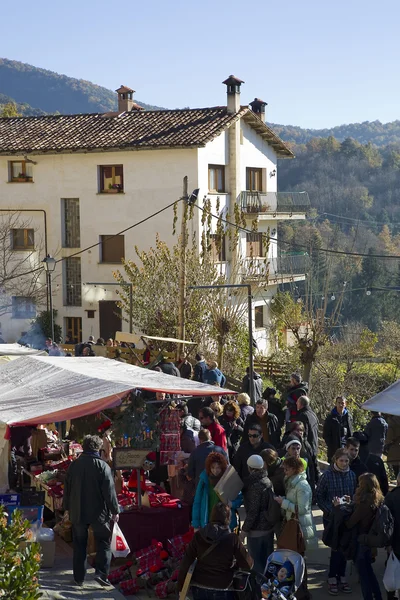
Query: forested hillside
(50,92)
(355,197)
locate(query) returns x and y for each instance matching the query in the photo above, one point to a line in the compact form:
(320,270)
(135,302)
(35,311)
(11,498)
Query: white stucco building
(78,179)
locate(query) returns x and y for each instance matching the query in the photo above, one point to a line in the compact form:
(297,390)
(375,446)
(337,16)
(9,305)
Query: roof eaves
(282,150)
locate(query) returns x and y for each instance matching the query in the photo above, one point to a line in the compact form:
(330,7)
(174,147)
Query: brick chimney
(125,100)
(258,107)
(233,92)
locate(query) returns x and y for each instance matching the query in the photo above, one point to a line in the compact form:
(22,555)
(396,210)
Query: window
(216,178)
(23,307)
(112,248)
(73,328)
(90,314)
(259,317)
(254,180)
(218,252)
(71,237)
(20,170)
(111,179)
(254,244)
(72,281)
(22,239)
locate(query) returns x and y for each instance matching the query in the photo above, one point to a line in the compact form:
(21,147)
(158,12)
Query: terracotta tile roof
(130,130)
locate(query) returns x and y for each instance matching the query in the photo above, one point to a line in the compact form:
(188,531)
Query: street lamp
(49,264)
(250,323)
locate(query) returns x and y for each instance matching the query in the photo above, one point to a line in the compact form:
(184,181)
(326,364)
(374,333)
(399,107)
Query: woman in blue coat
(206,497)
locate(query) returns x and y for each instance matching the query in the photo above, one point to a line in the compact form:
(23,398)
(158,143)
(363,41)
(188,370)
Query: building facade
(75,181)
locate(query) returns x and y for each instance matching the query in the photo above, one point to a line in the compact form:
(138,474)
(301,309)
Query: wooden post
(182,276)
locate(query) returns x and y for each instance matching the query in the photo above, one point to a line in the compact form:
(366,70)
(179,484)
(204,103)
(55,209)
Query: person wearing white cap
(262,513)
(293,448)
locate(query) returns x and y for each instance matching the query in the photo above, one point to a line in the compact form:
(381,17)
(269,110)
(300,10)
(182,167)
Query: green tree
(10,110)
(41,327)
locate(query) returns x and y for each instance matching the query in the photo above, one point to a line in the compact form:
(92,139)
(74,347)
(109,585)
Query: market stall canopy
(45,389)
(18,350)
(387,402)
(170,340)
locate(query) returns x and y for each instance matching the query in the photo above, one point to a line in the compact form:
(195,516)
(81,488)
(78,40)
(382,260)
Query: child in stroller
(283,574)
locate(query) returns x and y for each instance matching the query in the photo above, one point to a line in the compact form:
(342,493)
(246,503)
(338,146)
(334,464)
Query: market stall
(41,389)
(387,401)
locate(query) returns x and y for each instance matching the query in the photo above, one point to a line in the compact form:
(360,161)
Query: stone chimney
(258,107)
(233,92)
(125,100)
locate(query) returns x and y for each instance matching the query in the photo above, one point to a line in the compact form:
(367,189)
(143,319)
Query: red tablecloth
(141,526)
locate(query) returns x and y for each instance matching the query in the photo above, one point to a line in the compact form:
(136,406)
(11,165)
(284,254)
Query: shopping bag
(119,545)
(391,578)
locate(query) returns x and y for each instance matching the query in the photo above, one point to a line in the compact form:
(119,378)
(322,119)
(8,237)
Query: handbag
(291,536)
(189,574)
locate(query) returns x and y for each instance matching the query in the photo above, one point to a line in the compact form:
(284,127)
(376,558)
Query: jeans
(204,594)
(259,549)
(369,583)
(102,536)
(337,564)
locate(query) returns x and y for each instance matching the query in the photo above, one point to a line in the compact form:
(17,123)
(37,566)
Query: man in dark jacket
(353,448)
(275,405)
(310,420)
(199,368)
(254,445)
(376,432)
(257,385)
(268,422)
(168,367)
(296,389)
(198,457)
(392,501)
(338,426)
(261,512)
(185,367)
(187,420)
(375,465)
(90,499)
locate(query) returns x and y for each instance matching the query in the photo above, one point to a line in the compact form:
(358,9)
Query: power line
(275,240)
(390,224)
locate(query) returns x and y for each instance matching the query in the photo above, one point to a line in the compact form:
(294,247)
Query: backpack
(381,532)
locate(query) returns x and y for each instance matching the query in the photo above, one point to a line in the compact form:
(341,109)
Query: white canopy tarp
(387,401)
(18,350)
(44,389)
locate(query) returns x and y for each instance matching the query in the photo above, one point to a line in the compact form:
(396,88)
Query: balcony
(285,267)
(274,202)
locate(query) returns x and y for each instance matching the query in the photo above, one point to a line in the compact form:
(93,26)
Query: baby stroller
(281,579)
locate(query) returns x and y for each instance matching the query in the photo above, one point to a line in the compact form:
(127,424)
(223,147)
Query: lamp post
(49,264)
(250,324)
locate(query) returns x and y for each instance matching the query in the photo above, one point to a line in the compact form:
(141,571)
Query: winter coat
(358,467)
(298,493)
(213,376)
(246,411)
(376,431)
(245,451)
(185,369)
(276,475)
(191,422)
(334,484)
(198,457)
(310,421)
(293,394)
(169,368)
(337,536)
(393,440)
(199,369)
(269,426)
(218,435)
(276,407)
(89,490)
(376,466)
(392,501)
(233,434)
(258,496)
(200,511)
(337,428)
(216,570)
(257,386)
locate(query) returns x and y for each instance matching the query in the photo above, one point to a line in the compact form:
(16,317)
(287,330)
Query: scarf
(336,468)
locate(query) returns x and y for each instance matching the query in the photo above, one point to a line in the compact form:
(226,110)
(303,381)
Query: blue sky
(318,63)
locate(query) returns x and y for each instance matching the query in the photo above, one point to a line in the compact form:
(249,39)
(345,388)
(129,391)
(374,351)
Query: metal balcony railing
(285,265)
(274,202)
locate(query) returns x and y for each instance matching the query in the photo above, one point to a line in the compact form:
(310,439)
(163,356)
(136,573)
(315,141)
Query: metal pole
(51,307)
(131,308)
(182,275)
(251,362)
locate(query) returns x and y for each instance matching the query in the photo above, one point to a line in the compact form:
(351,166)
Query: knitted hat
(289,569)
(255,462)
(293,441)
